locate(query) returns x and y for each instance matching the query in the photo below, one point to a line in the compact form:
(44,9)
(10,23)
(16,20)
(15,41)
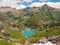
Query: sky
(20,4)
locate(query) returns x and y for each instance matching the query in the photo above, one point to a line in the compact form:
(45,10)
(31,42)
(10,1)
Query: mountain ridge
(45,19)
(31,7)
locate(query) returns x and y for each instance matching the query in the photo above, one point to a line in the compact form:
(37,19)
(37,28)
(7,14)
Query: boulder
(43,40)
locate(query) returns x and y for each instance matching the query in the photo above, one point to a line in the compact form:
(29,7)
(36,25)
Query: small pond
(29,33)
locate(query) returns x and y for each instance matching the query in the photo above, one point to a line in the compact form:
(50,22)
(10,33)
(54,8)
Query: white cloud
(8,3)
(13,3)
(52,4)
(18,6)
(43,0)
(28,1)
(55,5)
(36,4)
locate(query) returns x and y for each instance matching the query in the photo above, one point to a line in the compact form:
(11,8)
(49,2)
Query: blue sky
(55,0)
(19,4)
(48,0)
(26,3)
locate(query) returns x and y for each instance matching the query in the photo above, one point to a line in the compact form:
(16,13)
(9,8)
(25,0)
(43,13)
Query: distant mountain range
(45,13)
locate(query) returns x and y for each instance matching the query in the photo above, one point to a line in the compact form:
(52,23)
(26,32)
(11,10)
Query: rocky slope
(45,19)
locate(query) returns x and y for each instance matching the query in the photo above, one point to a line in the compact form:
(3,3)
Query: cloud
(19,6)
(27,1)
(36,4)
(8,3)
(43,0)
(54,5)
(1,0)
(13,3)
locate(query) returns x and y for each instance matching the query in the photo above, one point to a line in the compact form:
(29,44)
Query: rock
(3,31)
(6,34)
(52,38)
(2,36)
(9,39)
(43,40)
(57,41)
(27,43)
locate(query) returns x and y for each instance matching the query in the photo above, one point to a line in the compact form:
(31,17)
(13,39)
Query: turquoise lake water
(29,33)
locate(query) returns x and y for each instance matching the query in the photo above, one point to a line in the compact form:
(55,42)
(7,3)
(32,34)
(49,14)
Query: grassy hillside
(45,19)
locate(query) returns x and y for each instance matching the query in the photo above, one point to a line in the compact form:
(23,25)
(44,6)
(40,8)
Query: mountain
(45,19)
(45,13)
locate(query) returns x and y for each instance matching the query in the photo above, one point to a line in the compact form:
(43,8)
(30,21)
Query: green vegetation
(46,21)
(5,43)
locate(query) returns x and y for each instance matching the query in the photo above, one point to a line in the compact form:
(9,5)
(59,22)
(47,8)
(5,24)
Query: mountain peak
(45,5)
